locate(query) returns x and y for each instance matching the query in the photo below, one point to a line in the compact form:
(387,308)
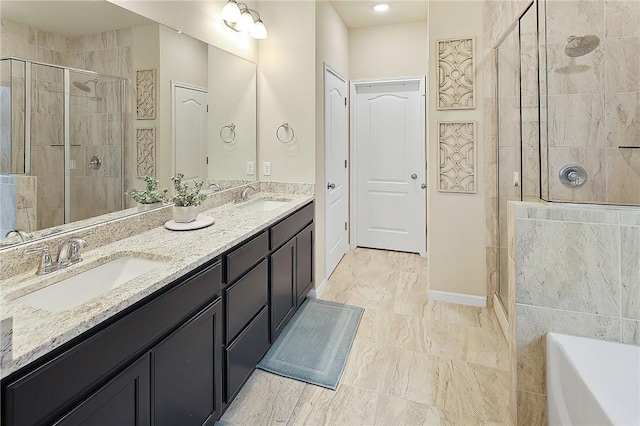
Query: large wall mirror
(93,96)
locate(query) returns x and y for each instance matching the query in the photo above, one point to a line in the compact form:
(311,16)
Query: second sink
(266,205)
(80,288)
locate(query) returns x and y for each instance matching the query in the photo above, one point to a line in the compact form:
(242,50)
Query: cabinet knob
(331,186)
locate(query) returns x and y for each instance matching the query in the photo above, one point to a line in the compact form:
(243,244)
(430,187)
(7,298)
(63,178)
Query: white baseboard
(501,315)
(317,292)
(461,299)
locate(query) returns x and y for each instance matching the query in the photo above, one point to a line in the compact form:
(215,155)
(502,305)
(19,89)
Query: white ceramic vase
(145,207)
(185,214)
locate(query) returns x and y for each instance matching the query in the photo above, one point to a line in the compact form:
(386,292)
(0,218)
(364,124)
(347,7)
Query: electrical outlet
(250,168)
(266,168)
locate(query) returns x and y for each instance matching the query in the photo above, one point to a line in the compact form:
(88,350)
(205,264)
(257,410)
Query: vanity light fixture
(381,7)
(240,18)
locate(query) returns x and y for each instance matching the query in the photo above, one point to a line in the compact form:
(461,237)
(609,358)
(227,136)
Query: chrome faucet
(243,195)
(68,254)
(25,236)
(216,187)
(46,263)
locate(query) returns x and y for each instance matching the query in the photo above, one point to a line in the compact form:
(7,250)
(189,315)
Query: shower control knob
(573,175)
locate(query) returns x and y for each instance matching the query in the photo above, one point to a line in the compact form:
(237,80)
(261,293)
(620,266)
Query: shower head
(580,46)
(83,86)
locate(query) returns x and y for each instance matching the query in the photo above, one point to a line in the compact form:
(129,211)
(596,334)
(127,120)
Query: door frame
(174,85)
(328,68)
(353,151)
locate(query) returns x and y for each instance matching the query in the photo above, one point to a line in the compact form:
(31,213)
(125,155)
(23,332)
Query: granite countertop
(33,333)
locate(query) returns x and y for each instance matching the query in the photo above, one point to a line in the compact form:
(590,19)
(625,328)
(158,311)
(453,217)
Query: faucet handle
(69,252)
(46,263)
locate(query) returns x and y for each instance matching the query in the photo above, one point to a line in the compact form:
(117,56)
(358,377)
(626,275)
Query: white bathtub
(592,382)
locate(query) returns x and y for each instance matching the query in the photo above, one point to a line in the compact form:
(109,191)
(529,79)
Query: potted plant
(186,199)
(148,198)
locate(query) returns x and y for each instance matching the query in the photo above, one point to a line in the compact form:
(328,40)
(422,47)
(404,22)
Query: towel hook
(232,130)
(286,127)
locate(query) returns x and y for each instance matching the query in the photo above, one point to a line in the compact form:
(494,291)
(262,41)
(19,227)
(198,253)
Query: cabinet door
(187,371)
(283,287)
(125,400)
(304,263)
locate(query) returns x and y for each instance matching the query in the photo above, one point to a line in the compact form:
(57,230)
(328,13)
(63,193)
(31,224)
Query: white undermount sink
(266,205)
(78,289)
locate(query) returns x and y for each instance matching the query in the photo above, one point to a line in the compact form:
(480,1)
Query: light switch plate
(266,168)
(250,168)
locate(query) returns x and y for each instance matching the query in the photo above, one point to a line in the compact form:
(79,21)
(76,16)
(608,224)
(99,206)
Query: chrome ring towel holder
(288,128)
(232,130)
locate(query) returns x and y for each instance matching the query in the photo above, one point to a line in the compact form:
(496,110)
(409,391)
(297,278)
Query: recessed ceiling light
(382,7)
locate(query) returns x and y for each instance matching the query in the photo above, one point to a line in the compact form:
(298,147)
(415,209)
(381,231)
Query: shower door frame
(28,63)
(515,26)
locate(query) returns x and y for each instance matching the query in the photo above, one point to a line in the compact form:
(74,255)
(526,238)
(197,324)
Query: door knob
(414,176)
(423,186)
(331,186)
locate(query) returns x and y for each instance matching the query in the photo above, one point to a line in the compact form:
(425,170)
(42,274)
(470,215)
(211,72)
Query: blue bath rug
(315,345)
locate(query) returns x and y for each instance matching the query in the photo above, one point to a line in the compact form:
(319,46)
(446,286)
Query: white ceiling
(71,17)
(360,13)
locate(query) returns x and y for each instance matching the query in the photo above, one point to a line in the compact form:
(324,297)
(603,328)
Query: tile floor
(413,362)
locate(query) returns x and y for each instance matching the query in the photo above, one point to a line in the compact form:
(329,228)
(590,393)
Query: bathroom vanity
(182,352)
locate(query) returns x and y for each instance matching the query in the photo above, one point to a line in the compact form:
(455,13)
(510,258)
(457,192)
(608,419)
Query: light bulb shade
(231,12)
(246,22)
(259,31)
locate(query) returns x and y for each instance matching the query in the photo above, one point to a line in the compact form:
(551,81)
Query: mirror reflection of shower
(580,46)
(75,116)
(85,88)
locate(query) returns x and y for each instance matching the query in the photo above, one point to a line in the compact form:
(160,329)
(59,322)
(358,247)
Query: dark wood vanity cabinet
(182,354)
(124,400)
(187,372)
(291,267)
(78,376)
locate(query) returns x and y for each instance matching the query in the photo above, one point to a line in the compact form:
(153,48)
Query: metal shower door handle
(331,186)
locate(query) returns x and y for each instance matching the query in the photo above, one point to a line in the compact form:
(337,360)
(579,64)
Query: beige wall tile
(532,409)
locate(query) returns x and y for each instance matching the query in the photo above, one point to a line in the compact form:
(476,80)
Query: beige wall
(286,90)
(332,48)
(455,222)
(232,99)
(185,60)
(388,51)
(145,48)
(199,19)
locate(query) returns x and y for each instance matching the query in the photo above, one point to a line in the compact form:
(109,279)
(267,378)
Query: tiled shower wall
(95,126)
(594,100)
(577,272)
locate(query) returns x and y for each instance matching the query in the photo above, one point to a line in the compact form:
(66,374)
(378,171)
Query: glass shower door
(96,145)
(509,146)
(47,143)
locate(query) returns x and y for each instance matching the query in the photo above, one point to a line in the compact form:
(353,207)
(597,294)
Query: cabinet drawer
(243,355)
(245,298)
(290,226)
(92,361)
(243,258)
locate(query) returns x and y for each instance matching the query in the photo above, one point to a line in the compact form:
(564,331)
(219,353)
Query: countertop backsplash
(14,261)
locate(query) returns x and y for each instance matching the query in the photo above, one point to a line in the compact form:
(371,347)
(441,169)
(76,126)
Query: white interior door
(190,131)
(335,140)
(390,171)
